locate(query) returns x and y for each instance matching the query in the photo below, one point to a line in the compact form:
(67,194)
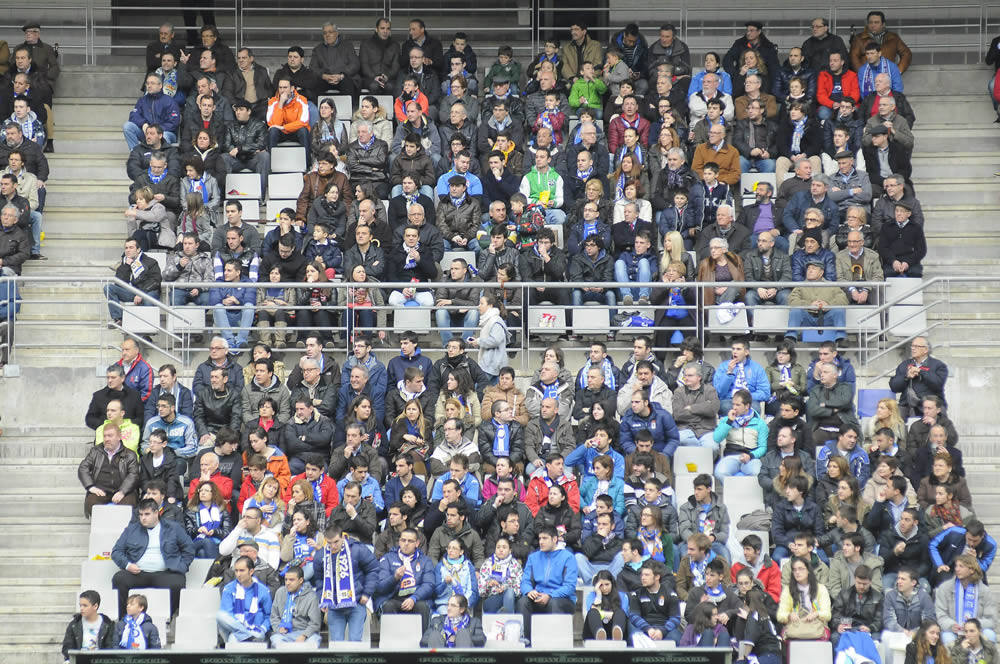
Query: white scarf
(491,316)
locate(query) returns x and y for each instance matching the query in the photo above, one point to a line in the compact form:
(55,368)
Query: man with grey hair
(767,262)
(368,161)
(821,301)
(858,263)
(818,47)
(549,385)
(115,390)
(698,101)
(336,63)
(359,384)
(321,393)
(695,409)
(884,207)
(166,42)
(794,214)
(897,126)
(592,143)
(737,236)
(15,245)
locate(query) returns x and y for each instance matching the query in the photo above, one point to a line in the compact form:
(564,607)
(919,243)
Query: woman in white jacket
(492,339)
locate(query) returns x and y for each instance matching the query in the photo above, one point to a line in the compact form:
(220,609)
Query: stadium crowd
(440,488)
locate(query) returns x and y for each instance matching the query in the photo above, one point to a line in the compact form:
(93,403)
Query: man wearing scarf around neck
(295,613)
(138,270)
(350,573)
(692,568)
(500,436)
(246,606)
(406,579)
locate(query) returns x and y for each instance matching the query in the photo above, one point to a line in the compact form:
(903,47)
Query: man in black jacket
(886,159)
(755,40)
(138,158)
(412,261)
(141,272)
(456,358)
(903,546)
(379,58)
(902,244)
(244,145)
(858,608)
(545,262)
(165,185)
(246,69)
(433,53)
(218,405)
(116,390)
(15,245)
(368,161)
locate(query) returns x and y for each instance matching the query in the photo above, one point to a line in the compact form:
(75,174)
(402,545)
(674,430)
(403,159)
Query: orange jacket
(293,116)
(399,108)
(277,465)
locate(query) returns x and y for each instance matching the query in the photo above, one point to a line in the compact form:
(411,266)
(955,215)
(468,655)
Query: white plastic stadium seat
(546,318)
(193,632)
(244,186)
(109,599)
(417,319)
(288,159)
(97,573)
(343,103)
(770,319)
(200,601)
(284,185)
(110,517)
(552,631)
(814,652)
(693,460)
(276,205)
(591,319)
(399,631)
(138,319)
(157,599)
(197,572)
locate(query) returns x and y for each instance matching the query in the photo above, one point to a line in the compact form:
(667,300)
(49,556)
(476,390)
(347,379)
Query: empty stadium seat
(417,319)
(692,460)
(97,573)
(770,319)
(193,632)
(683,486)
(243,186)
(591,319)
(814,652)
(110,517)
(194,316)
(859,319)
(386,102)
(197,571)
(158,600)
(493,623)
(742,495)
(284,186)
(138,319)
(102,541)
(547,318)
(286,159)
(552,631)
(738,325)
(399,631)
(200,601)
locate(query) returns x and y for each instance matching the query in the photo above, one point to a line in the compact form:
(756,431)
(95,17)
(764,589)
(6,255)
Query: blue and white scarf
(155,179)
(451,626)
(137,267)
(246,605)
(867,81)
(799,128)
(461,577)
(740,379)
(410,263)
(786,372)
(286,613)
(367,145)
(338,580)
(199,186)
(966,601)
(210,517)
(408,582)
(132,636)
(584,175)
(550,391)
(698,570)
(606,368)
(501,439)
(169,81)
(318,488)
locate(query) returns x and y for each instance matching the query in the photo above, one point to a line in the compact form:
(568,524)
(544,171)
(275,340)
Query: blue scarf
(369,145)
(652,545)
(799,129)
(606,368)
(246,605)
(589,228)
(155,179)
(132,636)
(867,81)
(457,202)
(210,517)
(550,391)
(410,264)
(966,601)
(461,579)
(698,570)
(286,614)
(740,380)
(408,582)
(451,626)
(786,372)
(741,421)
(412,428)
(501,440)
(338,580)
(318,488)
(584,175)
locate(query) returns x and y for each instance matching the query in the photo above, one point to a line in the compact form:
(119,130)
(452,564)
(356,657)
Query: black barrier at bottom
(468,656)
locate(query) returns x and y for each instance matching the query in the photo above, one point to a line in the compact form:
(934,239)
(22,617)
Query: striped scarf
(132,636)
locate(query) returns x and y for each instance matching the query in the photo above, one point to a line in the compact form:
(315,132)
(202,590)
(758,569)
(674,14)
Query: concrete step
(119,81)
(949,79)
(99,140)
(101,221)
(25,477)
(67,502)
(51,334)
(69,166)
(41,537)
(105,249)
(87,193)
(109,112)
(34,625)
(30,654)
(955,191)
(928,165)
(966,137)
(966,246)
(933,108)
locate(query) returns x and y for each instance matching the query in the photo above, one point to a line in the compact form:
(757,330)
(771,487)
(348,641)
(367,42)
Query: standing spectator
(817,48)
(902,245)
(379,58)
(753,39)
(918,377)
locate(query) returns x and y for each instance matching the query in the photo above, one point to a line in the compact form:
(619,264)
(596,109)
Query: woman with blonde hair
(673,250)
(674,321)
(886,416)
(268,501)
(722,265)
(411,433)
(751,63)
(207,520)
(593,192)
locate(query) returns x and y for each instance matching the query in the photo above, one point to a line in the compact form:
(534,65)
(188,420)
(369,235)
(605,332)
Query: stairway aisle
(41,511)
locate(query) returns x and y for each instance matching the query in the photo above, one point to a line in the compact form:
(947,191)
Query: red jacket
(769,576)
(616,133)
(538,493)
(224,483)
(331,498)
(399,107)
(848,87)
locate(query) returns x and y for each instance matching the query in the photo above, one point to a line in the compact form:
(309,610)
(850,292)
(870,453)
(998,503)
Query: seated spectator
(410,264)
(356,514)
(799,136)
(716,600)
(966,596)
(458,216)
(654,611)
(825,303)
(884,159)
(852,553)
(136,631)
(722,159)
(875,64)
(858,607)
(846,436)
(543,186)
(207,520)
(834,78)
(812,201)
(245,611)
(762,568)
(138,570)
(249,236)
(842,134)
(693,566)
(974,644)
(742,373)
(902,245)
(944,493)
(970,539)
(811,604)
(136,269)
(233,306)
(154,107)
(906,605)
(288,116)
(884,207)
(406,579)
(741,437)
(850,186)
(711,84)
(500,437)
(888,116)
(244,144)
(858,263)
(703,513)
(119,481)
(295,612)
(549,581)
(455,443)
(189,265)
(414,163)
(905,546)
(753,88)
(368,161)
(636,264)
